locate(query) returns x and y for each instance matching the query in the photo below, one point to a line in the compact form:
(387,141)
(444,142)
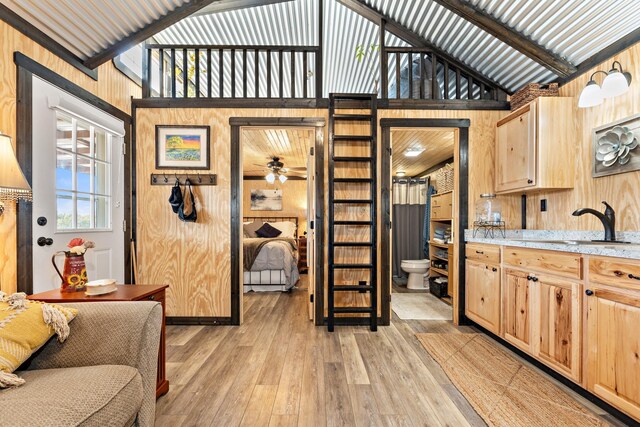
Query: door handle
(589,292)
(45,241)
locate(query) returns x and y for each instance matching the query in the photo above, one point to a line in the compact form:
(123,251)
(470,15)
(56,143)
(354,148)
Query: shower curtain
(409,202)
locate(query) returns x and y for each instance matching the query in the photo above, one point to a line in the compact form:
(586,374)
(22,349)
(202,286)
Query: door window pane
(64,209)
(83,175)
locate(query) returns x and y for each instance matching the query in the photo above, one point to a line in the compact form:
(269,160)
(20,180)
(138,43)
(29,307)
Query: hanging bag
(187,210)
(175,199)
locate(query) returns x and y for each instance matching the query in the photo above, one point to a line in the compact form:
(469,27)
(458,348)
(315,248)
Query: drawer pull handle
(529,181)
(152,297)
(494,269)
(589,292)
(480,252)
(535,279)
(529,277)
(631,276)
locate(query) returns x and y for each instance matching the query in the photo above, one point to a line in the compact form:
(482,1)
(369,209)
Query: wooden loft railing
(407,74)
(225,71)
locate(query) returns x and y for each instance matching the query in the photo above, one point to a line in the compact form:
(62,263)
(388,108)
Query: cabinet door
(613,360)
(516,291)
(516,151)
(482,295)
(557,324)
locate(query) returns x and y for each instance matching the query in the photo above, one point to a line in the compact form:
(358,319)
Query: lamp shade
(282,178)
(271,178)
(591,95)
(13,184)
(615,84)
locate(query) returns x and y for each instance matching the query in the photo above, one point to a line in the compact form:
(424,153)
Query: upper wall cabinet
(535,147)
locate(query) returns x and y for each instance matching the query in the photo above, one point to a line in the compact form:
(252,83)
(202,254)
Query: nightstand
(302,255)
(124,293)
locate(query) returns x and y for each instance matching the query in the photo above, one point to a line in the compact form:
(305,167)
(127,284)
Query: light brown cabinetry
(613,341)
(516,297)
(535,148)
(482,296)
(556,320)
(542,307)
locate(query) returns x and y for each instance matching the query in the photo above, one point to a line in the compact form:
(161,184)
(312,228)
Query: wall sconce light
(615,83)
(13,184)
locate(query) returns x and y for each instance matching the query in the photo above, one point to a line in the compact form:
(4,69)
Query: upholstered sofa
(103,375)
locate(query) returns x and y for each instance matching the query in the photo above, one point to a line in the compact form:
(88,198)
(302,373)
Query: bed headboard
(293,219)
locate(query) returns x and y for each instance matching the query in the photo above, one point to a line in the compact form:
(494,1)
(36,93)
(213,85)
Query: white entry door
(78,185)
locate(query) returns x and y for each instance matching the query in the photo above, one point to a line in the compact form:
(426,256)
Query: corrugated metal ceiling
(86,27)
(573,29)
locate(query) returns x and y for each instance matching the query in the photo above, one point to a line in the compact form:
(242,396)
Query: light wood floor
(277,369)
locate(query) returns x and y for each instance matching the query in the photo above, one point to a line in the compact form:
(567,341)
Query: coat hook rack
(195,178)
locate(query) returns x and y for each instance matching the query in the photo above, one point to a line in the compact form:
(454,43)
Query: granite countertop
(553,240)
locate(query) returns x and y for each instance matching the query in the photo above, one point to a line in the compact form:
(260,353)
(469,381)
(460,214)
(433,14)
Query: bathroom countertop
(539,239)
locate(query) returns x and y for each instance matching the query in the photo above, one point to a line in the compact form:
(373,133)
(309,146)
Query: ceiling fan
(277,170)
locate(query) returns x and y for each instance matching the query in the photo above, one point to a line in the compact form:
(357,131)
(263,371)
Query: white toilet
(417,270)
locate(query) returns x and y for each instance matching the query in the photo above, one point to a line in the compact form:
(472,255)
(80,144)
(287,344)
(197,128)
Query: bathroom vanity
(574,307)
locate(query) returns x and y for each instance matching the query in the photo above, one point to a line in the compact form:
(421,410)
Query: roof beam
(188,8)
(508,35)
(227,5)
(399,30)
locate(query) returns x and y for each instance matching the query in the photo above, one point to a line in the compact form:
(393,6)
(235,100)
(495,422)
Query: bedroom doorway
(276,185)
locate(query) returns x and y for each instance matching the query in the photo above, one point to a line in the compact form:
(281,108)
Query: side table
(124,293)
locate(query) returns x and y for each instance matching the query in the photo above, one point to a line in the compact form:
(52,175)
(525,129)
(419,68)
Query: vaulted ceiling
(509,42)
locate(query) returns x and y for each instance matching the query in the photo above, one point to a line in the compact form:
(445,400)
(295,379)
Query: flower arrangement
(79,246)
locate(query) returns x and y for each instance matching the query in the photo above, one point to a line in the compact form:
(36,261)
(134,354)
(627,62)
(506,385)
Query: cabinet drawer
(484,253)
(559,263)
(442,206)
(614,271)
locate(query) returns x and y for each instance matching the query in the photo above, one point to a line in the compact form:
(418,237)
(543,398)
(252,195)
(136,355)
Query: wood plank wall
(196,264)
(294,200)
(112,86)
(621,191)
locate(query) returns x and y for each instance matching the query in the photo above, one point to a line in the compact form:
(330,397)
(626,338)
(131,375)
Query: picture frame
(266,200)
(614,148)
(184,147)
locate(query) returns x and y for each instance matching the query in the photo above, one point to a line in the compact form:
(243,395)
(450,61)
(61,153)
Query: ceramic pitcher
(74,272)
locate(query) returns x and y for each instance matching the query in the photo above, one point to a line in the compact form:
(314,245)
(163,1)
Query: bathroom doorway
(425,216)
(422,185)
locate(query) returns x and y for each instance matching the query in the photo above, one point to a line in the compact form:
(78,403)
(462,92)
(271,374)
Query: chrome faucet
(608,219)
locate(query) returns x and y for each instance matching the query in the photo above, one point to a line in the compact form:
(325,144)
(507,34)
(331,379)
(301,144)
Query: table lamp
(13,184)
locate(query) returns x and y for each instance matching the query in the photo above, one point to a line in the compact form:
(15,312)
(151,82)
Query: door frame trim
(462,125)
(26,69)
(236,204)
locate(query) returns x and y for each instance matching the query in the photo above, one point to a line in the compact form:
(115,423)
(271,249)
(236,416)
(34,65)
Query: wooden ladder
(347,163)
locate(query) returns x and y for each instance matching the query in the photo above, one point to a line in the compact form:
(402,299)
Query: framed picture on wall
(266,200)
(615,147)
(182,147)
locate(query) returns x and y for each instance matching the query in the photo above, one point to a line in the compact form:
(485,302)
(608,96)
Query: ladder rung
(353,244)
(352,159)
(351,95)
(352,117)
(353,180)
(353,201)
(352,288)
(354,266)
(352,310)
(345,222)
(352,137)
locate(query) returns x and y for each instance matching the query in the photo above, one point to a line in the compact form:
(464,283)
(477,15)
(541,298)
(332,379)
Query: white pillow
(288,228)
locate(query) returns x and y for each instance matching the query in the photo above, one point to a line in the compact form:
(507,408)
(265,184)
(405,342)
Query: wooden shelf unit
(441,217)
